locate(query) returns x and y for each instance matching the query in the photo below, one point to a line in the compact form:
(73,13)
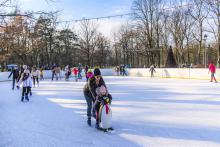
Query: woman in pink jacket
(212,69)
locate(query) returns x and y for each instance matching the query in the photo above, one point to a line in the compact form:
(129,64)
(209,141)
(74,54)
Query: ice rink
(146,112)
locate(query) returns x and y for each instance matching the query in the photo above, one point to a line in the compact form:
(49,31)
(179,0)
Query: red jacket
(75,71)
(212,67)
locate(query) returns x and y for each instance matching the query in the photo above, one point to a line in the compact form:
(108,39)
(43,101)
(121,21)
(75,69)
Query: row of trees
(144,40)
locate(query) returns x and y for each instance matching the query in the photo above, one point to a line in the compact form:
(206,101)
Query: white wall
(188,73)
(48,74)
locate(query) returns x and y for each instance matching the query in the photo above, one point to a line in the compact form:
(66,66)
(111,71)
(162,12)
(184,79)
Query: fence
(186,73)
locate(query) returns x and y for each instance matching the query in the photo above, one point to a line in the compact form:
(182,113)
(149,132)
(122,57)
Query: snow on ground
(146,112)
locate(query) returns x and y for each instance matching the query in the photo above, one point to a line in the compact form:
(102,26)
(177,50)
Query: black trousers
(35,78)
(13,82)
(53,74)
(26,90)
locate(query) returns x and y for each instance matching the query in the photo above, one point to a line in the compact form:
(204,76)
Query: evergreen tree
(171,62)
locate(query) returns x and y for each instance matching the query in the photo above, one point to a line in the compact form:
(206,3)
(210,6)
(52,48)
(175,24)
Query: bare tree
(148,15)
(214,8)
(87,41)
(199,15)
(102,52)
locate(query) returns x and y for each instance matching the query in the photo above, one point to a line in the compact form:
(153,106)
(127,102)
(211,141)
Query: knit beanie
(97,72)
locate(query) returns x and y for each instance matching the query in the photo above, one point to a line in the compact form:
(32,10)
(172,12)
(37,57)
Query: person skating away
(86,69)
(124,73)
(152,71)
(35,75)
(75,73)
(15,74)
(53,71)
(79,71)
(57,71)
(102,97)
(26,83)
(89,91)
(67,72)
(42,74)
(212,69)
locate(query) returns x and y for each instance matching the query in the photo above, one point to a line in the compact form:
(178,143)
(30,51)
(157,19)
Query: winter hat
(97,72)
(89,70)
(24,66)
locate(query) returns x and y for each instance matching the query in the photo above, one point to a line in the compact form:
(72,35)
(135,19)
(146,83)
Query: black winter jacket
(14,73)
(90,87)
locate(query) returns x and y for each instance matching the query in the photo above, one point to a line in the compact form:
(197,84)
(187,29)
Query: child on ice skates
(26,83)
(102,98)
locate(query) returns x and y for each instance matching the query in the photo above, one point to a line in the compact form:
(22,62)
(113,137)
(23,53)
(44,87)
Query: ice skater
(152,71)
(90,93)
(26,83)
(75,72)
(35,75)
(212,69)
(15,74)
(103,98)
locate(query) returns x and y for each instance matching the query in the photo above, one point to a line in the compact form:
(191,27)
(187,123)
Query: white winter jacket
(27,82)
(35,73)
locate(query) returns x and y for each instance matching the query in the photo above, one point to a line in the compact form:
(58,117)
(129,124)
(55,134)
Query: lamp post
(205,38)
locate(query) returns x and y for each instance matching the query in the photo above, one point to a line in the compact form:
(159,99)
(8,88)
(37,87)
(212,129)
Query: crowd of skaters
(76,72)
(26,77)
(29,76)
(121,70)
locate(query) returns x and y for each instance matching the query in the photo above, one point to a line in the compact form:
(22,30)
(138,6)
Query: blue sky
(77,9)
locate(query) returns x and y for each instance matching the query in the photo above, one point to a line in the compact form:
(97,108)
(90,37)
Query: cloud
(105,26)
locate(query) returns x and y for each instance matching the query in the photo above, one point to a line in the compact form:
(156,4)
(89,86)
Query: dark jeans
(90,104)
(13,83)
(79,75)
(25,91)
(35,78)
(96,108)
(124,73)
(53,74)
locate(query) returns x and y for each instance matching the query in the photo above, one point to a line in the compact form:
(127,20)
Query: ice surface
(146,112)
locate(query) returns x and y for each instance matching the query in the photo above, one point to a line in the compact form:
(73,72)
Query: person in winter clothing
(79,71)
(26,82)
(212,69)
(35,75)
(152,71)
(57,72)
(90,92)
(67,72)
(86,69)
(124,73)
(41,74)
(75,72)
(102,97)
(53,71)
(15,74)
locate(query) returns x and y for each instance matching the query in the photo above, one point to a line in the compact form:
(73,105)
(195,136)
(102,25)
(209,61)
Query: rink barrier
(180,73)
(48,74)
